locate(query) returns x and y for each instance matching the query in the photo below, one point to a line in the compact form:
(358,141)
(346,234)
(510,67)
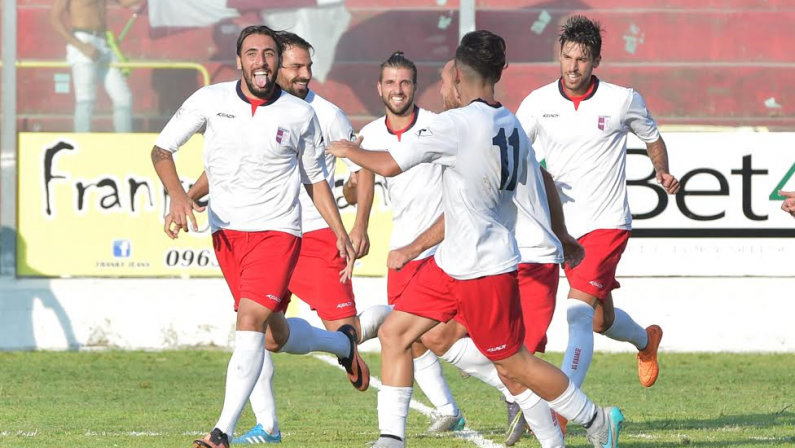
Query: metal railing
(174,65)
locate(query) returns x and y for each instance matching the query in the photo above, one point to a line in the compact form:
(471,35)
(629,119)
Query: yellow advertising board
(92,205)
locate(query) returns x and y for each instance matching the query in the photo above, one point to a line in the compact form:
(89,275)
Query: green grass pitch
(166,399)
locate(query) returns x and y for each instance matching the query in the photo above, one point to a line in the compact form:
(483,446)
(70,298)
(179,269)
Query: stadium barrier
(171,65)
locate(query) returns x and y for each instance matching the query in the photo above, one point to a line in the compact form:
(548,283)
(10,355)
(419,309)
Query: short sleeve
(639,119)
(527,118)
(341,128)
(188,120)
(312,153)
(435,143)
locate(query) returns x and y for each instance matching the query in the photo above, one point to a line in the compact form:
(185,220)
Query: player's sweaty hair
(288,39)
(398,60)
(258,29)
(483,52)
(584,31)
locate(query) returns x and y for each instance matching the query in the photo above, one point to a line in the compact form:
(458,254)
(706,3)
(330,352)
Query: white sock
(263,400)
(393,409)
(241,375)
(428,375)
(371,319)
(464,355)
(625,329)
(542,421)
(305,338)
(580,350)
(574,405)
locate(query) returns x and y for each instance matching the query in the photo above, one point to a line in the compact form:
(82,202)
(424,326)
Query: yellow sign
(92,205)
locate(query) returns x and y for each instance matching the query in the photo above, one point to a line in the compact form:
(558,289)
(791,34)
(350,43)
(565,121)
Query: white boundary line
(467,433)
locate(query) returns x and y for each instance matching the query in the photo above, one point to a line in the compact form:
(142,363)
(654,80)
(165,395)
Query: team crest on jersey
(281,135)
(604,122)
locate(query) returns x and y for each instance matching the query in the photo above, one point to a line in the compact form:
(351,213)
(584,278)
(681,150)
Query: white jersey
(255,159)
(416,195)
(585,149)
(334,126)
(484,154)
(537,242)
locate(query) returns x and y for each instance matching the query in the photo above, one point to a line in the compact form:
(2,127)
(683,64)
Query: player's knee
(274,341)
(392,337)
(603,323)
(507,374)
(577,316)
(434,342)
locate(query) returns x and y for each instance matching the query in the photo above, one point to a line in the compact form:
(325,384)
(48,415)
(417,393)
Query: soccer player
(416,198)
(543,240)
(315,277)
(579,125)
(261,143)
(473,273)
(789,204)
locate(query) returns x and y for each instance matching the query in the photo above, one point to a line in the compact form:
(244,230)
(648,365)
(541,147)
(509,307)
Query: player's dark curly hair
(399,60)
(583,31)
(258,29)
(483,52)
(288,39)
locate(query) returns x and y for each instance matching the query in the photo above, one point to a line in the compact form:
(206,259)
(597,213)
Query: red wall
(714,63)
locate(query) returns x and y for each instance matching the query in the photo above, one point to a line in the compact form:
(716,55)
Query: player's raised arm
(379,162)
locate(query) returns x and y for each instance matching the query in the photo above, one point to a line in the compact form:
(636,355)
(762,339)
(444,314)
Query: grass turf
(166,399)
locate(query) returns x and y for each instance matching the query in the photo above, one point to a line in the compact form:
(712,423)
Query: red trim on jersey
(400,132)
(257,102)
(578,99)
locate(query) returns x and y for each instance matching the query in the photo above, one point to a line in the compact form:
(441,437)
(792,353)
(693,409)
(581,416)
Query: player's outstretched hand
(668,182)
(340,148)
(180,212)
(573,252)
(360,241)
(346,251)
(789,203)
(398,258)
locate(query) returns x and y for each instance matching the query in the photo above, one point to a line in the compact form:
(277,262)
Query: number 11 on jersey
(508,162)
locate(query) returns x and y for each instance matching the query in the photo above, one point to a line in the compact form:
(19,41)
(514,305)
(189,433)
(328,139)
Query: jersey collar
(399,132)
(256,102)
(496,105)
(577,99)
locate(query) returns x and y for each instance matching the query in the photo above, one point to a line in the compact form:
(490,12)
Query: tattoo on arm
(658,155)
(159,154)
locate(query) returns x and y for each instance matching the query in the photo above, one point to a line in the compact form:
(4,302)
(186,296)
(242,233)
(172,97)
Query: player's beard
(263,92)
(295,88)
(407,105)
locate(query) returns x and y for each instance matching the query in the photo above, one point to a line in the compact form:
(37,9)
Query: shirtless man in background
(89,55)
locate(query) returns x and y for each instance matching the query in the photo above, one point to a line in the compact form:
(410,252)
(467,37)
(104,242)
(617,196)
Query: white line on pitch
(466,434)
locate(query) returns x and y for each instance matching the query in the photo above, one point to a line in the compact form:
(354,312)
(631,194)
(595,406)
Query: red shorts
(538,288)
(257,265)
(316,278)
(489,307)
(596,275)
(397,281)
